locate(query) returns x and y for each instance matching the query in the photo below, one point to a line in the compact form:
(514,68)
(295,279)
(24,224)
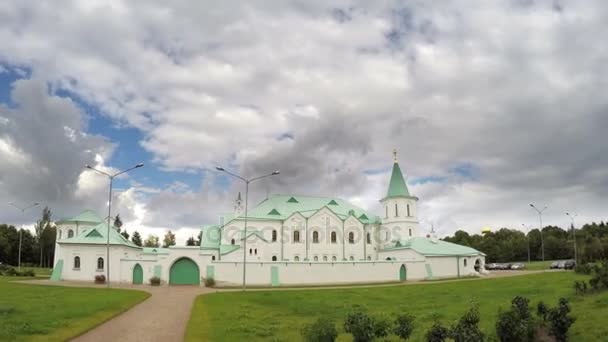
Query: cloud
(501,101)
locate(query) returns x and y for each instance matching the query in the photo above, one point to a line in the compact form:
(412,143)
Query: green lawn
(54,313)
(279,315)
(538,265)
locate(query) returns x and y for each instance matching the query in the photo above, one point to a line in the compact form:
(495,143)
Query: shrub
(100,279)
(437,333)
(28,273)
(360,325)
(322,330)
(542,311)
(404,325)
(560,320)
(382,326)
(467,327)
(584,268)
(209,282)
(155,281)
(516,324)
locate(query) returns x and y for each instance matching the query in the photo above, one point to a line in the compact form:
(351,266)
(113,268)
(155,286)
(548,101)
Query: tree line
(37,249)
(508,245)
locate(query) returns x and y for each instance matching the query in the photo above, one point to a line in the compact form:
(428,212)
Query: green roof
(155,250)
(211,237)
(397,186)
(280,207)
(87,216)
(97,235)
(432,247)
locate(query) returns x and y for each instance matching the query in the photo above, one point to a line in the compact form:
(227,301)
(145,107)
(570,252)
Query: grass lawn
(279,315)
(55,313)
(538,265)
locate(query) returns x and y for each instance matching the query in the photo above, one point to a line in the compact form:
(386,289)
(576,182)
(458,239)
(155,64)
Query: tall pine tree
(136,238)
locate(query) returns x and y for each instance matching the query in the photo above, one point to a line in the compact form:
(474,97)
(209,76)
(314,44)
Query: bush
(542,311)
(209,282)
(404,325)
(437,333)
(9,271)
(584,268)
(322,330)
(100,279)
(360,325)
(28,273)
(467,327)
(560,320)
(382,326)
(516,324)
(155,281)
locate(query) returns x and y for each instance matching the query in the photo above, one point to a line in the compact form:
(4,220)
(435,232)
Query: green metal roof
(397,186)
(87,216)
(280,207)
(97,235)
(432,247)
(155,250)
(211,237)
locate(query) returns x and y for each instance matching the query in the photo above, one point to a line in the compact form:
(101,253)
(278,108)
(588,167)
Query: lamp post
(528,238)
(540,218)
(572,216)
(21,229)
(111,177)
(247,181)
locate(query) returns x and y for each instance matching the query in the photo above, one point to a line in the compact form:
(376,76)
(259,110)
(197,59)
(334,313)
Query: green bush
(437,333)
(584,268)
(155,281)
(542,311)
(322,330)
(467,327)
(516,325)
(360,325)
(560,320)
(404,325)
(209,282)
(382,326)
(9,271)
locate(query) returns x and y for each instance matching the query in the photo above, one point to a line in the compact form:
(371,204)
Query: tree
(199,238)
(118,222)
(467,327)
(151,241)
(191,241)
(41,225)
(404,325)
(169,239)
(360,325)
(125,234)
(560,320)
(136,238)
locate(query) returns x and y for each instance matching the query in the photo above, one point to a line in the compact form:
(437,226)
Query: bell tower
(399,212)
(238,206)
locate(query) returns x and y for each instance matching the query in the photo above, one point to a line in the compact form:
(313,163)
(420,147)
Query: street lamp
(21,230)
(528,237)
(572,216)
(111,177)
(247,181)
(540,218)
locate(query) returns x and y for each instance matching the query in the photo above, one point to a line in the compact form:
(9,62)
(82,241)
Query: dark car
(569,264)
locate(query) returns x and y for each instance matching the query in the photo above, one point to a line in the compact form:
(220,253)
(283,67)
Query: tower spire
(397,186)
(395,155)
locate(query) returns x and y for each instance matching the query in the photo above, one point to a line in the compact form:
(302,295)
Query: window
(296,258)
(465,262)
(408,210)
(274,236)
(232,242)
(325,258)
(351,237)
(386,211)
(333,237)
(250,251)
(315,237)
(99,263)
(333,258)
(396,210)
(410,231)
(60,234)
(369,238)
(274,258)
(316,258)
(255,251)
(213,258)
(77,263)
(70,233)
(369,258)
(296,236)
(351,258)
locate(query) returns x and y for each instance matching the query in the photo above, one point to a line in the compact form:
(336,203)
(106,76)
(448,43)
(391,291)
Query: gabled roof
(251,232)
(211,237)
(432,247)
(97,235)
(280,207)
(397,186)
(87,216)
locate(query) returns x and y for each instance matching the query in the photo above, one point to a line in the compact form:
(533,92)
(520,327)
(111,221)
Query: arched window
(351,258)
(232,242)
(100,263)
(274,258)
(274,236)
(386,211)
(296,236)
(351,237)
(250,251)
(465,262)
(255,251)
(386,236)
(213,258)
(316,258)
(333,237)
(408,210)
(70,233)
(315,237)
(410,231)
(296,258)
(77,262)
(396,210)
(369,238)
(325,258)
(333,258)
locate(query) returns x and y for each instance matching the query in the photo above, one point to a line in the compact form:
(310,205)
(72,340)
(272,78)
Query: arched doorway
(402,273)
(184,271)
(477,265)
(138,275)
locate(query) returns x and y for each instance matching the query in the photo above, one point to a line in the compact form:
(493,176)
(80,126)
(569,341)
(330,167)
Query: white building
(290,240)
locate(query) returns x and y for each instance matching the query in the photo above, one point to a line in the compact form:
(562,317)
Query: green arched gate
(138,275)
(403,273)
(184,272)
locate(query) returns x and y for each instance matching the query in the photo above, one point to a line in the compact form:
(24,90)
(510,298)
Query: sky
(492,105)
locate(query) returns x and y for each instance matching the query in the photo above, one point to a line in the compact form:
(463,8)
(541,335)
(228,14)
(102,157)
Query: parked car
(554,265)
(492,266)
(518,266)
(569,264)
